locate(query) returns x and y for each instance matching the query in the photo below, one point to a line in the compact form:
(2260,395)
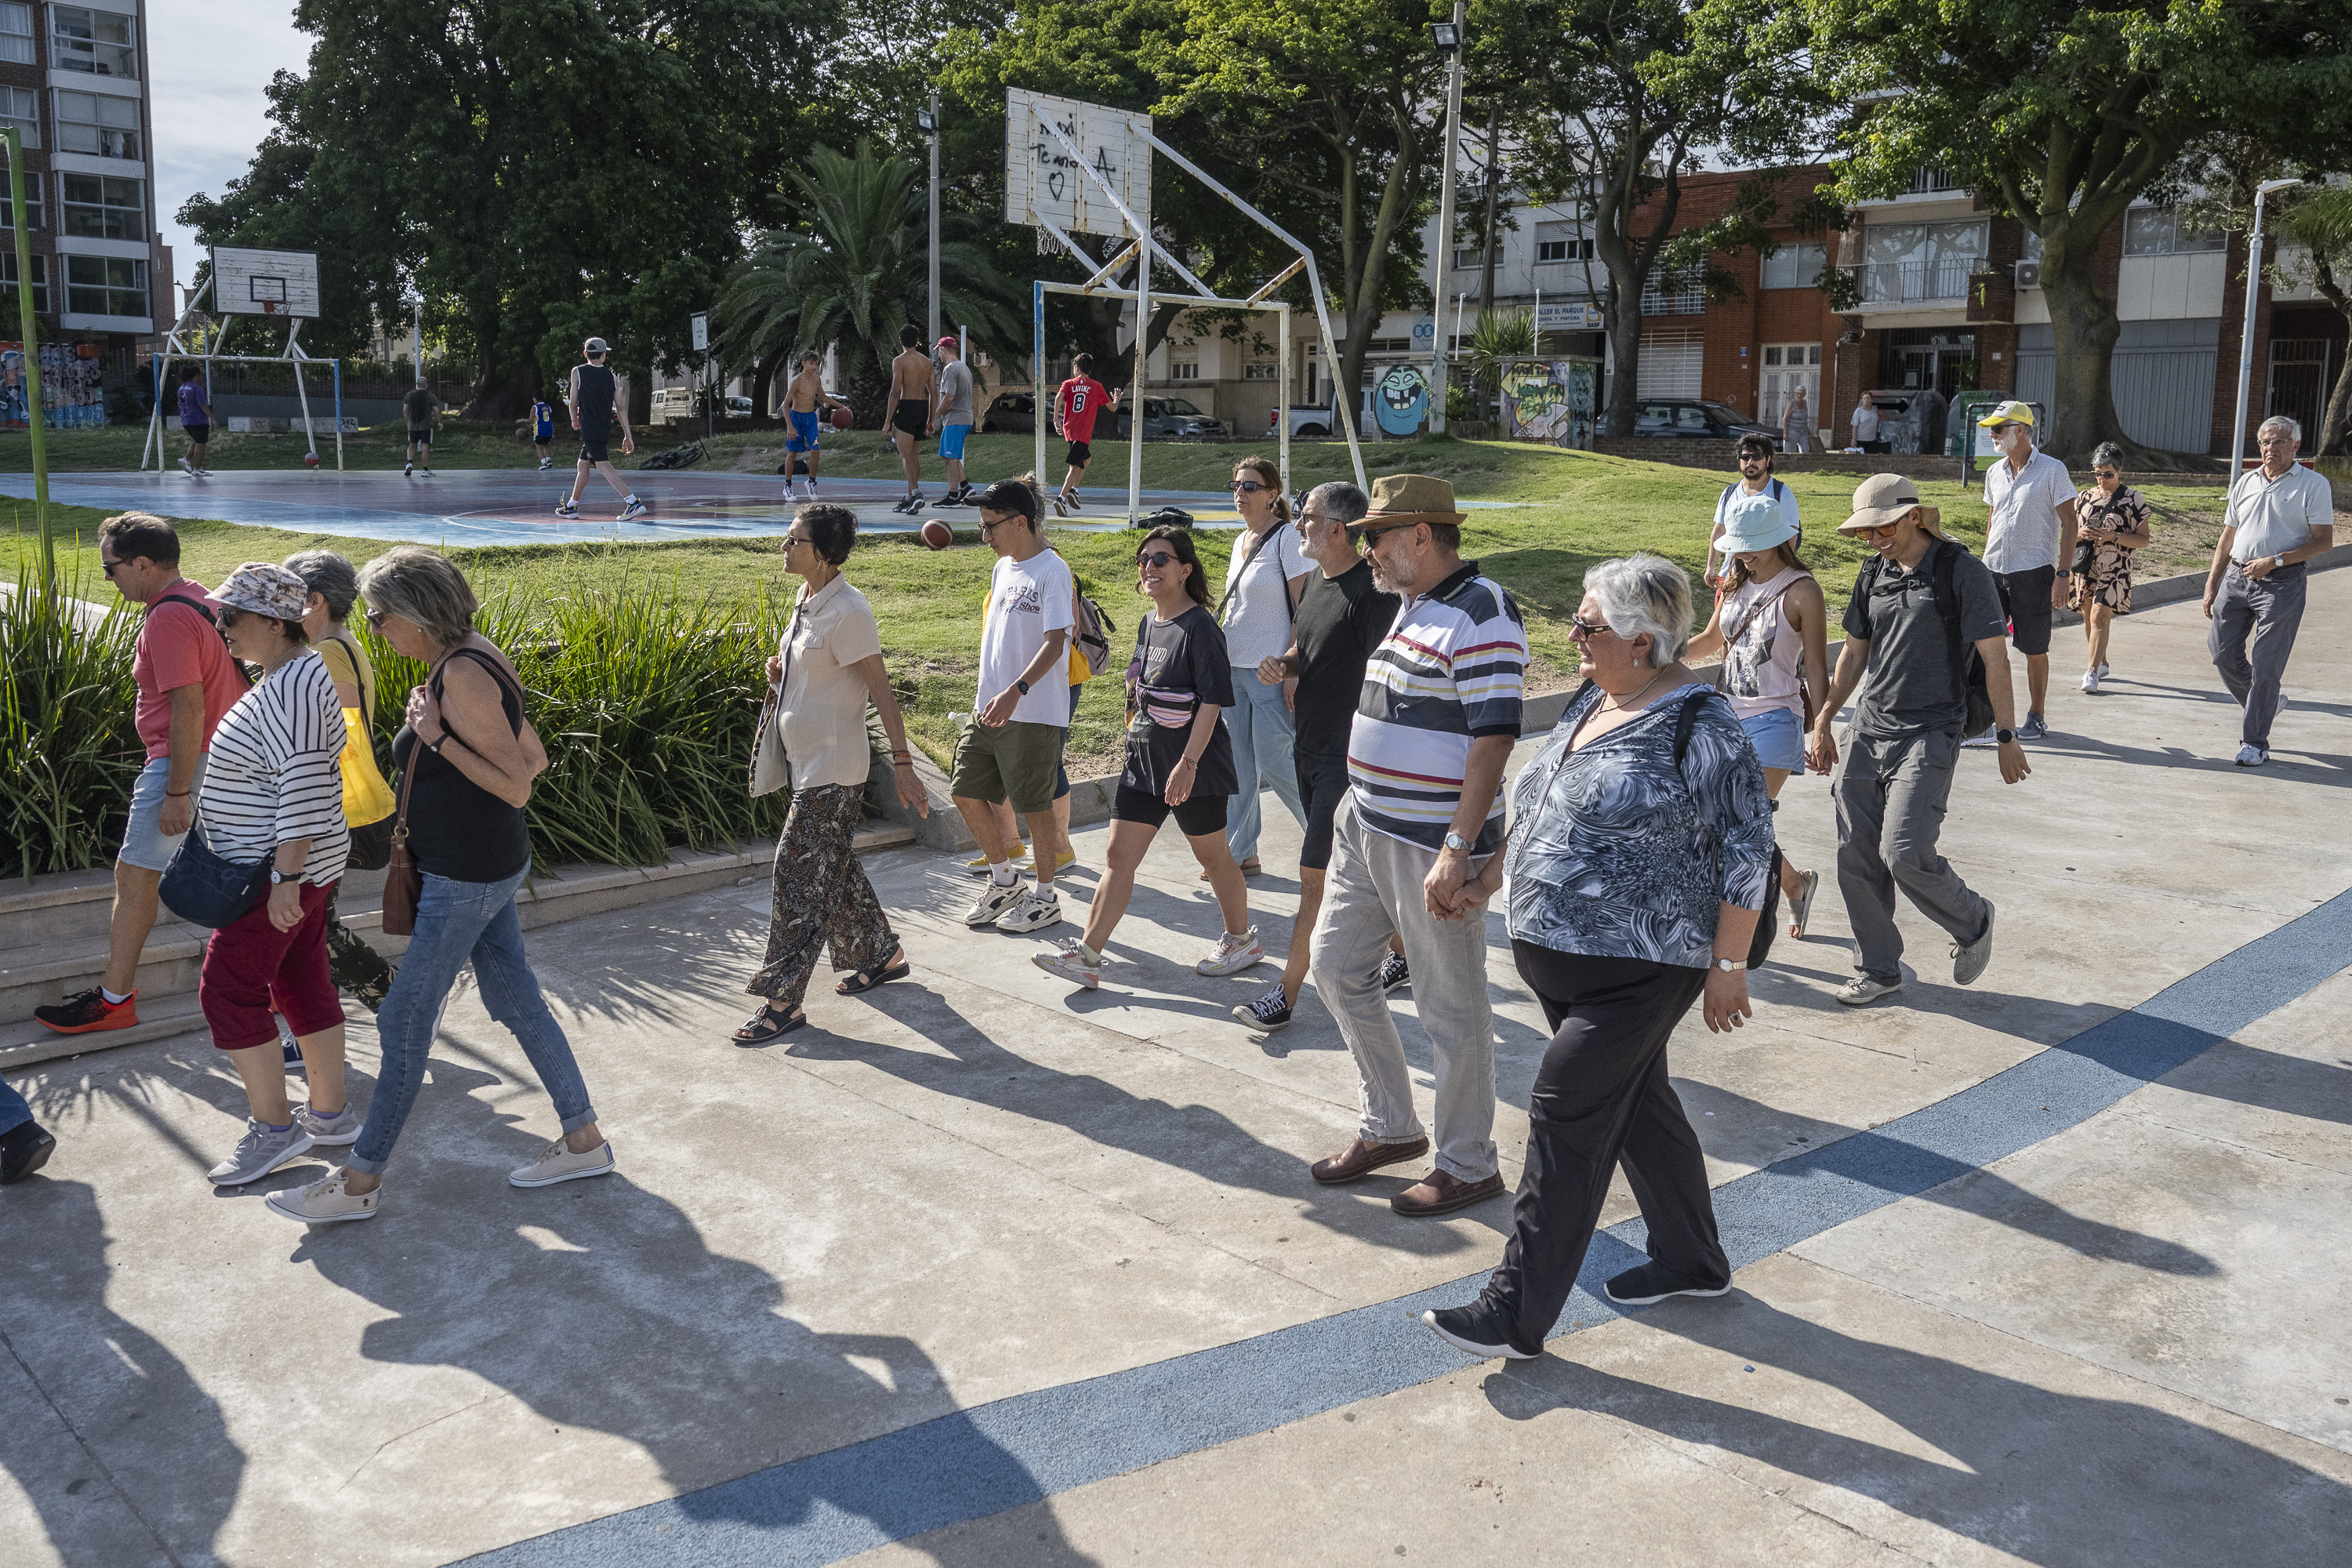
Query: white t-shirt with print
(1026,600)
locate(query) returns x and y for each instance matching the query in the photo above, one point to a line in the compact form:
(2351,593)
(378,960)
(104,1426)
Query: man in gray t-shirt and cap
(951,419)
(1895,775)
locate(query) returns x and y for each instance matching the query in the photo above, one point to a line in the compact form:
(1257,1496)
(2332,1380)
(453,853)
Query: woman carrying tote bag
(826,667)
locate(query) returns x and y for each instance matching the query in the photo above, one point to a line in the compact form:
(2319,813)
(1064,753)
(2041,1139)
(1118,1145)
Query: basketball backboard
(1041,180)
(265,283)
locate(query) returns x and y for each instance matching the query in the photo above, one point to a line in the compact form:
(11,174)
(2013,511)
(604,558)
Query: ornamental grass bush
(647,701)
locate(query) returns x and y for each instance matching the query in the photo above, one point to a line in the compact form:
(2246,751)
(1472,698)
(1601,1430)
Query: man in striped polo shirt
(1432,732)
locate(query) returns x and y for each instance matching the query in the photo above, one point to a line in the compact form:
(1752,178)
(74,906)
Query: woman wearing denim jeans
(473,758)
(1262,591)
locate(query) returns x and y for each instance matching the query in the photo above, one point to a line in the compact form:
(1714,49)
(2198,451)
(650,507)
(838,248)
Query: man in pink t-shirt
(186,680)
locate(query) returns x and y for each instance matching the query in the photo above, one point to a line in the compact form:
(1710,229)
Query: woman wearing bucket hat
(273,791)
(1771,621)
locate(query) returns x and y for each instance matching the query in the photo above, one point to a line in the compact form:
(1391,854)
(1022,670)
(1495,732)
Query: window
(2166,231)
(1561,242)
(40,281)
(1686,301)
(33,207)
(1189,370)
(1259,370)
(99,42)
(99,206)
(105,286)
(21,109)
(17,33)
(98,123)
(1792,265)
(1909,262)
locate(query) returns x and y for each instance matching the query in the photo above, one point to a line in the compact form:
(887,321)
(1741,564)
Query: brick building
(73,81)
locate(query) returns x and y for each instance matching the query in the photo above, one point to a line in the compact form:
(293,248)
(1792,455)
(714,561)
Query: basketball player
(1075,406)
(592,400)
(805,402)
(912,386)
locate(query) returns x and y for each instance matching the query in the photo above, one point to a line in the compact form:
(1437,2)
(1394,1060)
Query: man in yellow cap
(2031,530)
(1917,612)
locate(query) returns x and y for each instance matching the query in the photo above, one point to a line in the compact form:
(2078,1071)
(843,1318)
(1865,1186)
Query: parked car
(1013,413)
(739,408)
(1173,419)
(671,403)
(1694,420)
(1306,423)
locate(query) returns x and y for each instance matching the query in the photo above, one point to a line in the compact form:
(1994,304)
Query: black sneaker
(1651,1282)
(1472,1329)
(24,1149)
(1267,1014)
(1395,974)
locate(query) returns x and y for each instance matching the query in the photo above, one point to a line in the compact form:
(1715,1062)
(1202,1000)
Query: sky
(212,65)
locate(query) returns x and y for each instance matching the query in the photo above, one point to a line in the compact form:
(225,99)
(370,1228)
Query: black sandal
(863,980)
(767,1023)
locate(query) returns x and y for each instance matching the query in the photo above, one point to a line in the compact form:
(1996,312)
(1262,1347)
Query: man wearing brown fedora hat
(1917,612)
(1426,750)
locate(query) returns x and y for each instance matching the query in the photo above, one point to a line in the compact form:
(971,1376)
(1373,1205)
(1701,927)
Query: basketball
(937,534)
(309,459)
(842,418)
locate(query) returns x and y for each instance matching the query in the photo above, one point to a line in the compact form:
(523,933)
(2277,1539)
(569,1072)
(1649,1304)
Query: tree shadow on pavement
(2053,1478)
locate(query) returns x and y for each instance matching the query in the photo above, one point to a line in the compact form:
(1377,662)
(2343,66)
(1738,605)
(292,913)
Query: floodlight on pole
(927,121)
(2246,333)
(1449,44)
(35,417)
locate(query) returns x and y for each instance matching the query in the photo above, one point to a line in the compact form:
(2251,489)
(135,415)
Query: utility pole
(929,121)
(2246,334)
(1449,44)
(417,330)
(36,416)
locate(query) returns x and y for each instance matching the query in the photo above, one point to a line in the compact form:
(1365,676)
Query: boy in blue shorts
(804,402)
(543,430)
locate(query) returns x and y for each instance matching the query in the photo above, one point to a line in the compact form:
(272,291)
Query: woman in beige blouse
(2110,522)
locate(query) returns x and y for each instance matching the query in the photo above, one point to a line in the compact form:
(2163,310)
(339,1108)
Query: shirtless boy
(912,384)
(804,404)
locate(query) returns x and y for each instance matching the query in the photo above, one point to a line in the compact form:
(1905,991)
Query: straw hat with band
(1883,499)
(1412,498)
(1751,523)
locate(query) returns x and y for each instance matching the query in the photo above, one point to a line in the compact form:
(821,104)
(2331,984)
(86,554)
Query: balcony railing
(1913,283)
(1930,178)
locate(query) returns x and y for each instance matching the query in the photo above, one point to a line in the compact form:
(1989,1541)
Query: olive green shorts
(1014,762)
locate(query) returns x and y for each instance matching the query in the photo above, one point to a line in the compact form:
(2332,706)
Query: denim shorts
(1778,737)
(145,843)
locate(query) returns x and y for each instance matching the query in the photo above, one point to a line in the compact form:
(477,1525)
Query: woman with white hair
(1639,851)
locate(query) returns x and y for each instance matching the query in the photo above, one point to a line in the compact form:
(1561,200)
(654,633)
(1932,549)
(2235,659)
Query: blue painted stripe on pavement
(1022,1449)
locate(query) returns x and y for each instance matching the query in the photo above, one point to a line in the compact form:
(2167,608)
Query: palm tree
(858,271)
(1499,343)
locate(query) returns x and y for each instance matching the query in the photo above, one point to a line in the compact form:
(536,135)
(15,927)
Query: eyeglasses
(793,539)
(2273,441)
(226,617)
(1155,558)
(1579,629)
(1366,538)
(107,567)
(1246,486)
(2103,473)
(1882,530)
(375,619)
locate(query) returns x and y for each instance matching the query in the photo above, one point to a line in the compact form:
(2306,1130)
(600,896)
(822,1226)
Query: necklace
(1620,707)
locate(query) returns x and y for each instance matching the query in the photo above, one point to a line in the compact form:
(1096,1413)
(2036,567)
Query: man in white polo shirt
(2280,516)
(2031,529)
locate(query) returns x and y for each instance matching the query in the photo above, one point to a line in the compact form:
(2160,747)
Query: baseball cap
(2010,413)
(1883,497)
(596,347)
(948,342)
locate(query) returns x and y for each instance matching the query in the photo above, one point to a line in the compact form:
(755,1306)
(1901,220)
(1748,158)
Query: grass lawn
(1574,508)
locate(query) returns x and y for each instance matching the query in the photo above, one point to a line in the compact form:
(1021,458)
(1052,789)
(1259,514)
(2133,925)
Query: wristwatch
(1456,841)
(1731,965)
(2003,737)
(1022,687)
(276,875)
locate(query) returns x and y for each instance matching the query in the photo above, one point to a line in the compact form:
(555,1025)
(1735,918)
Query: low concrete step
(24,1042)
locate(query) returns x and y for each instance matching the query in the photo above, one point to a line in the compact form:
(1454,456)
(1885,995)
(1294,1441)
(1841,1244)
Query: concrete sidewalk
(983,1271)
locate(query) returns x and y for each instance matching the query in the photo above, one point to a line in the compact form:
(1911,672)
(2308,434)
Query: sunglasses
(1366,538)
(1884,531)
(1579,629)
(1155,558)
(226,617)
(1246,486)
(374,619)
(107,567)
(2103,473)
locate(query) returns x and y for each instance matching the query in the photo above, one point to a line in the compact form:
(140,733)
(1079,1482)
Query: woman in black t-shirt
(1179,760)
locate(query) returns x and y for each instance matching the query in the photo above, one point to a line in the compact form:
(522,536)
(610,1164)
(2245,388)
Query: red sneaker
(89,1013)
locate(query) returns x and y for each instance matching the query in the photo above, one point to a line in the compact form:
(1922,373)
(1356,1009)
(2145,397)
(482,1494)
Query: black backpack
(1968,664)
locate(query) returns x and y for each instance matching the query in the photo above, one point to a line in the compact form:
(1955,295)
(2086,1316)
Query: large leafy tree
(857,272)
(2318,227)
(1625,97)
(2061,114)
(537,171)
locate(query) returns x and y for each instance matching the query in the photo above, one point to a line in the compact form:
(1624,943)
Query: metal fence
(1913,283)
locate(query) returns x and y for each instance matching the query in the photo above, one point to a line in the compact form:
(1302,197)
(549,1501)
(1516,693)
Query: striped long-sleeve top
(271,776)
(1451,670)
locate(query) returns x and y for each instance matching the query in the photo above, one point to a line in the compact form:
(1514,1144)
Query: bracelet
(174,793)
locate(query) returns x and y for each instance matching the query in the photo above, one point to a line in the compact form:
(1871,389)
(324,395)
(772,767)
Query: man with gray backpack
(1925,627)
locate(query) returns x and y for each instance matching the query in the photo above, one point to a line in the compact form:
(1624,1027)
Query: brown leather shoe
(1361,1158)
(1443,1192)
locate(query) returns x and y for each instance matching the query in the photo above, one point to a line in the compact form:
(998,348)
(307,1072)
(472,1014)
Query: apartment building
(73,82)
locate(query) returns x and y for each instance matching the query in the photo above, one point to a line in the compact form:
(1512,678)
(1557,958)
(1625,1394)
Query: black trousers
(1602,1098)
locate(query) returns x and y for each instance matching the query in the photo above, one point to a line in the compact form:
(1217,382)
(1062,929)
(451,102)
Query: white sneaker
(261,1151)
(1071,963)
(334,1131)
(1862,990)
(2252,756)
(2103,667)
(1030,913)
(1234,955)
(557,1164)
(408,469)
(992,901)
(2090,681)
(190,467)
(323,1202)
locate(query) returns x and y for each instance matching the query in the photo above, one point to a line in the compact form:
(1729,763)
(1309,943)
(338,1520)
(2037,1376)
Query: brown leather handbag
(402,882)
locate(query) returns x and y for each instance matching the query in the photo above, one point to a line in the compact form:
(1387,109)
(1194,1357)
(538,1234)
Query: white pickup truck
(1306,423)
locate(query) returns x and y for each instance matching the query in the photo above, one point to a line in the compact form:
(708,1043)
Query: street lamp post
(1448,35)
(2246,335)
(36,416)
(928,119)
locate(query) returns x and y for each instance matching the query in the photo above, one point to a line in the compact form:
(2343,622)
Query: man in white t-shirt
(1755,478)
(2031,531)
(1011,747)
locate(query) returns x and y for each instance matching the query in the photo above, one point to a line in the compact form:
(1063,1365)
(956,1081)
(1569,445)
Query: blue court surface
(517,505)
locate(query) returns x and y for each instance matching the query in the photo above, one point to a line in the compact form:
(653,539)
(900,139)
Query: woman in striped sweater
(272,791)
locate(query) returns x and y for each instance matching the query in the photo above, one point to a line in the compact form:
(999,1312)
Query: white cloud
(212,65)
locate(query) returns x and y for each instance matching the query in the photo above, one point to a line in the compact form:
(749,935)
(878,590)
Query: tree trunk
(2083,324)
(2332,435)
(1494,195)
(1624,311)
(764,376)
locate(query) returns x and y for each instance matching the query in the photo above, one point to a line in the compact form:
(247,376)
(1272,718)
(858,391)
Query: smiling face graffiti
(1400,399)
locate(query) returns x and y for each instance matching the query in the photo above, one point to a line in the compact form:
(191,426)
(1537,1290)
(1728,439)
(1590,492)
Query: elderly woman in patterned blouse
(2110,522)
(1640,848)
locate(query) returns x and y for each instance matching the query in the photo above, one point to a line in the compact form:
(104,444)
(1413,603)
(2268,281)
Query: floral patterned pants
(821,895)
